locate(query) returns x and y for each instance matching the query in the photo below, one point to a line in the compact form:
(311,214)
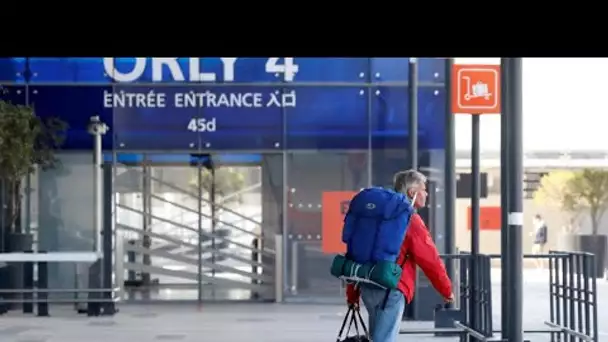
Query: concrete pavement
(241,322)
(213,323)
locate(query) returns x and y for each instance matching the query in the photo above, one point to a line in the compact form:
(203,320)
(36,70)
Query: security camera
(96,126)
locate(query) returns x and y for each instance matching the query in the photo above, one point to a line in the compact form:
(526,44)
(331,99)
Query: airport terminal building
(215,168)
(224,179)
(208,160)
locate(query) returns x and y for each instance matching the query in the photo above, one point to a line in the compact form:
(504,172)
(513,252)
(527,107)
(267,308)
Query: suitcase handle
(444,306)
(354,313)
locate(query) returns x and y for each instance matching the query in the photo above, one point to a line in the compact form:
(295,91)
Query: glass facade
(339,125)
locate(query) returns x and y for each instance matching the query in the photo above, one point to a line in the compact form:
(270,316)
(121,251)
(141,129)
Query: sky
(565,106)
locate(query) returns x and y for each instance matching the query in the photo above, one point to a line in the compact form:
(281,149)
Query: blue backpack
(375,225)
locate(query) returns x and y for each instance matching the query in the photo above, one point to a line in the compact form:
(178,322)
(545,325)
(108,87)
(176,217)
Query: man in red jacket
(385,309)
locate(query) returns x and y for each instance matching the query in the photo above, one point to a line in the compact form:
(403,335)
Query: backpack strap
(405,258)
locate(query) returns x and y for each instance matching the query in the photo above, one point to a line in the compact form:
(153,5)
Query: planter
(596,244)
(19,242)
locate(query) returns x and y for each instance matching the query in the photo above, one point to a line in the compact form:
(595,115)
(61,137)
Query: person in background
(540,238)
(417,249)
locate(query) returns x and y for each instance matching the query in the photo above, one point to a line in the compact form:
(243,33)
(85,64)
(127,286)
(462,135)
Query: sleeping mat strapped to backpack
(384,274)
(374,229)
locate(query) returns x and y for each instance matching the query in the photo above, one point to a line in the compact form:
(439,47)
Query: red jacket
(420,250)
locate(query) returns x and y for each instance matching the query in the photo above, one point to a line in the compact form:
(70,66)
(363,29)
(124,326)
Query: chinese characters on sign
(193,99)
(153,99)
(169,69)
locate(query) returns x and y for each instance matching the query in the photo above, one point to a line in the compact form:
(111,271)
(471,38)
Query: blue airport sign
(233,103)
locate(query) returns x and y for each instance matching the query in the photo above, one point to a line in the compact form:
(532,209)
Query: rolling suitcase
(445,315)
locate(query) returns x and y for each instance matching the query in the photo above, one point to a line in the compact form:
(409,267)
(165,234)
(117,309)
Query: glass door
(194,231)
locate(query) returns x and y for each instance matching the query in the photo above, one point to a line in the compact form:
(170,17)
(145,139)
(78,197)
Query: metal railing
(474,303)
(573,299)
(35,289)
(573,296)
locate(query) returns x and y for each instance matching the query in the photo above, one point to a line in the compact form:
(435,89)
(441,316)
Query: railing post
(571,293)
(119,264)
(580,273)
(552,288)
(43,284)
(132,259)
(28,285)
(455,266)
(477,291)
(564,293)
(586,295)
(93,304)
(464,288)
(594,291)
(278,268)
(488,296)
(295,262)
(4,281)
(255,259)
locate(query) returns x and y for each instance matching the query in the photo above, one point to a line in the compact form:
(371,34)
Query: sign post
(413,119)
(449,181)
(515,199)
(476,91)
(505,273)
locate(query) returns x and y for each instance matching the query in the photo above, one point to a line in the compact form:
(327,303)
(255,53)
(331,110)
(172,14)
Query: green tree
(26,142)
(577,193)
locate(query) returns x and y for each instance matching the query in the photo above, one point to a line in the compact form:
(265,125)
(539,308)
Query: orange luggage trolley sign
(476,89)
